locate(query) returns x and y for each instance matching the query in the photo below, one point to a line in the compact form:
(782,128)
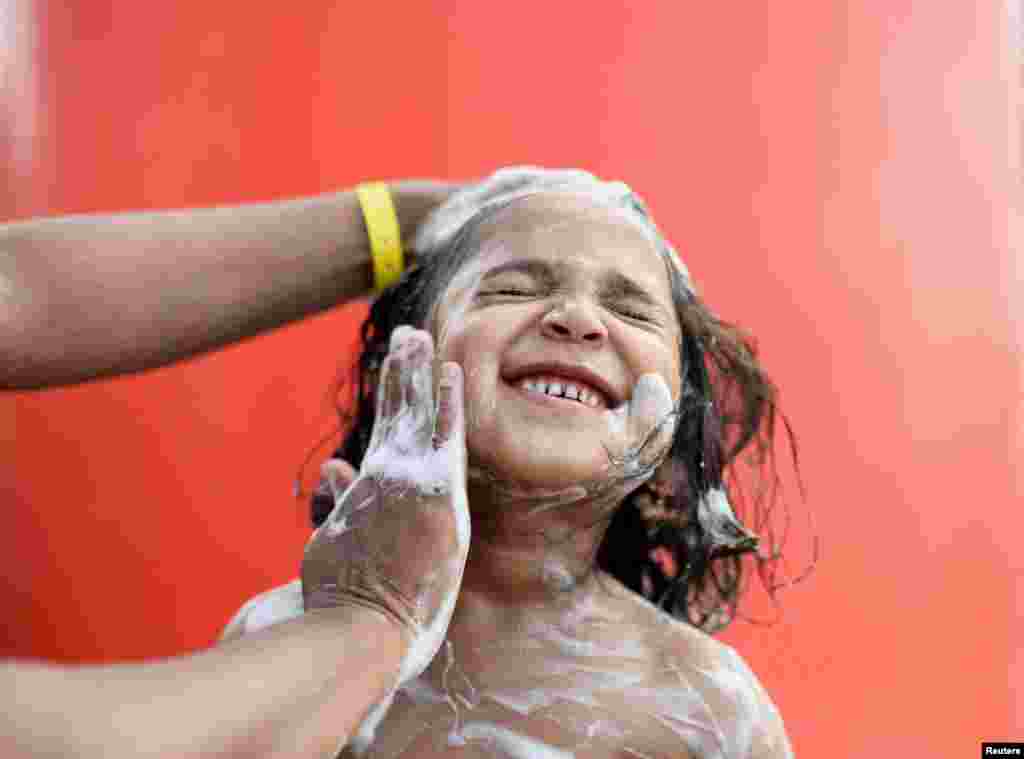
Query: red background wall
(839,181)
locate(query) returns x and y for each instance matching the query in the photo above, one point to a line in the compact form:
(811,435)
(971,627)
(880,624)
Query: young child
(602,403)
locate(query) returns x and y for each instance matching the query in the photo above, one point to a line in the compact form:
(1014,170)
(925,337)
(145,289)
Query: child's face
(552,284)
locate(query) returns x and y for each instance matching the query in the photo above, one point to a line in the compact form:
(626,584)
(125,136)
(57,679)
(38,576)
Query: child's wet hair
(728,406)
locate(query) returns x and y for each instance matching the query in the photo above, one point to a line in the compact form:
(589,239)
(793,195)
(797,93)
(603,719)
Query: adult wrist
(414,199)
(354,612)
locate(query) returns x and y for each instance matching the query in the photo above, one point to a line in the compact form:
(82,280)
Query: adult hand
(398,537)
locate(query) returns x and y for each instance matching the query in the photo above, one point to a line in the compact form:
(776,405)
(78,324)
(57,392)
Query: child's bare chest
(557,731)
(576,709)
(602,683)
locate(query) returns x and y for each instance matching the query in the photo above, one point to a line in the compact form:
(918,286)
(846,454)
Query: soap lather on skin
(648,417)
(597,671)
(587,673)
(576,674)
(400,533)
(645,413)
(555,678)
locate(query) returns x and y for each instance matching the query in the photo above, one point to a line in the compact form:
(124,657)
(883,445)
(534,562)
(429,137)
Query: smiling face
(565,296)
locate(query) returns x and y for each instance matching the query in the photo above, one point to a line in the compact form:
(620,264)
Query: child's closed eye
(632,314)
(508,291)
(516,292)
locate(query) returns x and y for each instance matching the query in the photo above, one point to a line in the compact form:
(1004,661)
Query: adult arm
(299,688)
(379,583)
(91,296)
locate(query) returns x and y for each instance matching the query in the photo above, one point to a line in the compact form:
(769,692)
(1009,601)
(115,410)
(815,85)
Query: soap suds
(266,609)
(425,645)
(644,418)
(578,679)
(510,743)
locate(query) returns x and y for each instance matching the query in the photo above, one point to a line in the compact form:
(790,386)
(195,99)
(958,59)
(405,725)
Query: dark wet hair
(728,406)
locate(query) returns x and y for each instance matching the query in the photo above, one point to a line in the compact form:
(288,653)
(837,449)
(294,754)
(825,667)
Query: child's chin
(531,471)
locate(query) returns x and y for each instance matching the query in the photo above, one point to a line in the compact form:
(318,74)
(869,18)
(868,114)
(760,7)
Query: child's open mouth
(560,393)
(563,385)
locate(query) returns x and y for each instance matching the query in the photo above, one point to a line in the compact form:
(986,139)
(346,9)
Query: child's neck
(526,560)
(501,601)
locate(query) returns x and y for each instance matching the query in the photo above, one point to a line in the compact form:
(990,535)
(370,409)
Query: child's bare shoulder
(664,632)
(713,668)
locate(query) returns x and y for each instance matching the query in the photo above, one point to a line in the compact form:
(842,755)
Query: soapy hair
(728,407)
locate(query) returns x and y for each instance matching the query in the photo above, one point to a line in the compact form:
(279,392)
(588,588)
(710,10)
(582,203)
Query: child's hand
(398,537)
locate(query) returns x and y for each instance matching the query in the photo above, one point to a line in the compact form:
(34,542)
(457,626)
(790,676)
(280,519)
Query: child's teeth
(561,390)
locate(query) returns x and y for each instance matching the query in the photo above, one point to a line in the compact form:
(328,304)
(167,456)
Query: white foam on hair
(436,233)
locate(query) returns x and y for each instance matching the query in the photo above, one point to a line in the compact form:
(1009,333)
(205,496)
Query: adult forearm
(92,296)
(297,689)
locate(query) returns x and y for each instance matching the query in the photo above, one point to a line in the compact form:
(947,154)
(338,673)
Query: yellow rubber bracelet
(385,236)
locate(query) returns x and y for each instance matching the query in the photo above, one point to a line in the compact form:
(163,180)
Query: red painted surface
(837,182)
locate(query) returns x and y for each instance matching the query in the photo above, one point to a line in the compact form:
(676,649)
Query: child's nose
(576,321)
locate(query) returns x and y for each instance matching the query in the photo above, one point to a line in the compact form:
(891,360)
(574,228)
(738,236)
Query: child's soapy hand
(398,537)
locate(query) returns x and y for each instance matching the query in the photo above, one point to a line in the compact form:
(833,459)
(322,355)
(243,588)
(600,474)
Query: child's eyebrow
(530,266)
(614,284)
